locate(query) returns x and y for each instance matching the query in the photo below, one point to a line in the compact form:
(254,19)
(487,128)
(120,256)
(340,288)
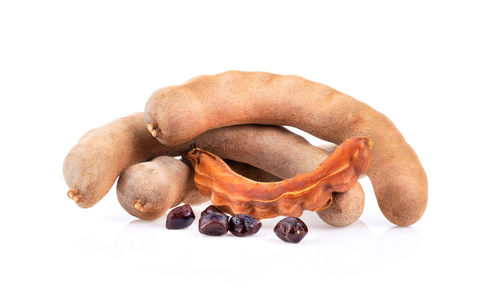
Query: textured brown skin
(93,165)
(346,207)
(178,114)
(309,191)
(148,189)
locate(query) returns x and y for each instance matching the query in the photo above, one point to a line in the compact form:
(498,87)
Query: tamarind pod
(94,163)
(309,191)
(92,166)
(180,113)
(148,189)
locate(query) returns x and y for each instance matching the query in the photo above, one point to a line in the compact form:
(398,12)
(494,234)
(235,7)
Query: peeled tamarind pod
(148,189)
(309,191)
(178,114)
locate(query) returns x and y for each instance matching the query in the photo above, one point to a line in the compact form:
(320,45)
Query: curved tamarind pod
(178,114)
(92,166)
(309,191)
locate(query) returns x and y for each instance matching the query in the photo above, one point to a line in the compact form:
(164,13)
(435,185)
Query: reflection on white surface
(396,247)
(148,246)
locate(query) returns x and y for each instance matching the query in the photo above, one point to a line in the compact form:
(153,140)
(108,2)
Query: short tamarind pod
(148,189)
(180,113)
(309,191)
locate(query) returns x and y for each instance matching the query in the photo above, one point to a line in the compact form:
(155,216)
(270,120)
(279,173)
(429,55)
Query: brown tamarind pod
(148,189)
(93,165)
(180,113)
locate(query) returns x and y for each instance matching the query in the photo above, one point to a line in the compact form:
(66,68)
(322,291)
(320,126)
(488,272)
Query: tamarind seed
(180,217)
(211,209)
(291,229)
(242,225)
(213,224)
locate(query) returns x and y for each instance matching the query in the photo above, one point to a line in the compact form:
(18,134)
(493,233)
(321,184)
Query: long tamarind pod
(178,114)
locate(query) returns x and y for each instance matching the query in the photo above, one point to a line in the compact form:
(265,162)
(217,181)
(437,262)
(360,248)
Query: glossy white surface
(433,68)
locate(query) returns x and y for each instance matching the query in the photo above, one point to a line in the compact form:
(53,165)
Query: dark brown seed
(180,217)
(291,229)
(211,209)
(242,225)
(214,224)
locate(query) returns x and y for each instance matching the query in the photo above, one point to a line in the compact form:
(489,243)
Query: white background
(432,67)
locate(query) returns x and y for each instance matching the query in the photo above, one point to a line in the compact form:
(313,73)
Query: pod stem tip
(138,205)
(152,130)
